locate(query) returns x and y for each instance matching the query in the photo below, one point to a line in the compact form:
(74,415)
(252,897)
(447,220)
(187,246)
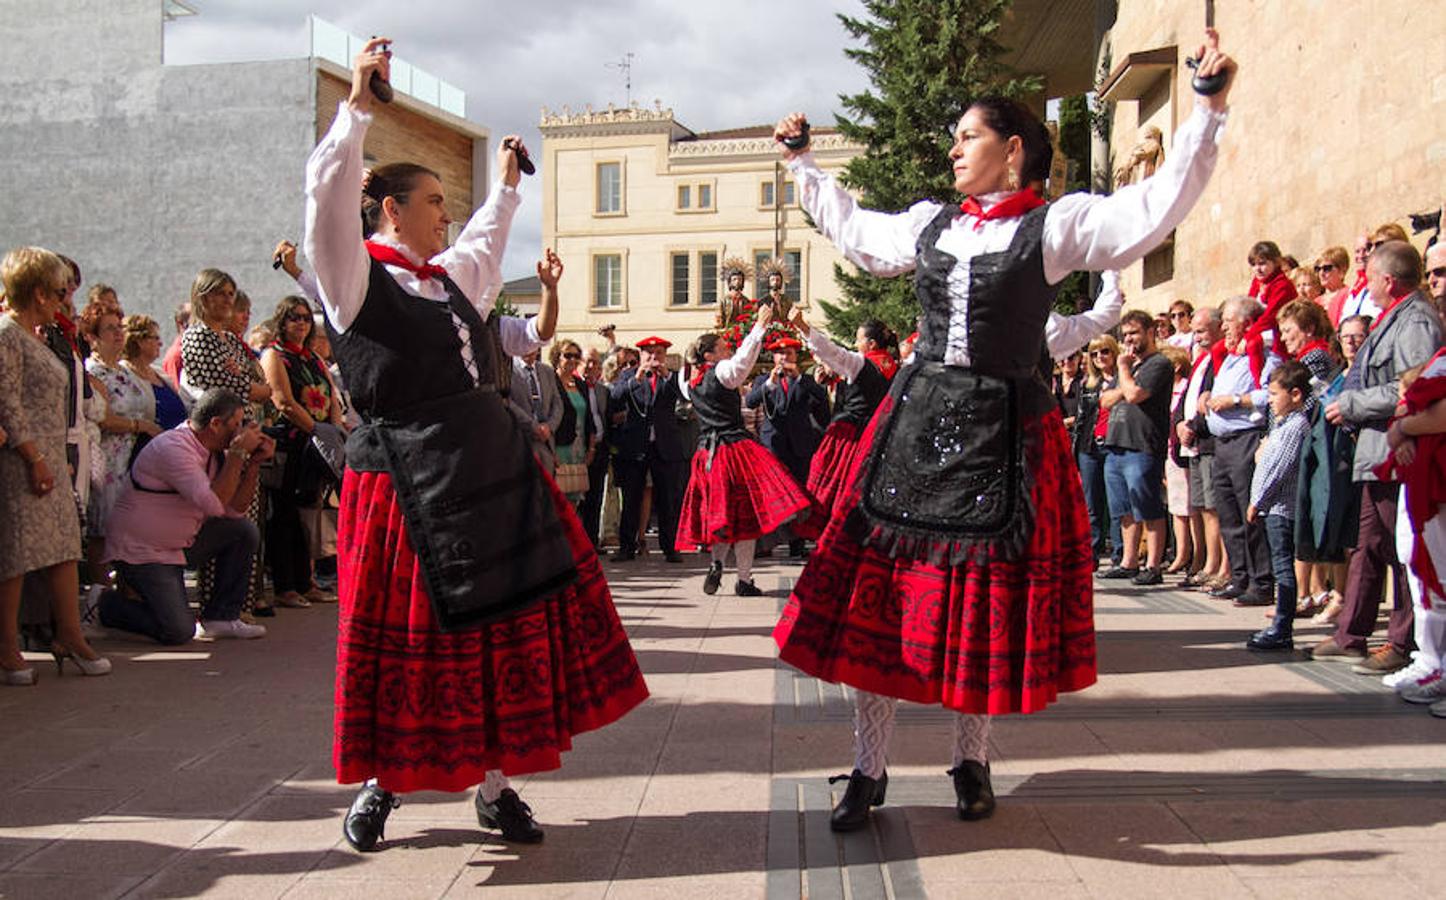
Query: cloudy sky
(717,65)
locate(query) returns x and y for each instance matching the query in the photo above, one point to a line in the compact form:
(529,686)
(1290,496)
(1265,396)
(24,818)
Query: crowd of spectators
(1276,432)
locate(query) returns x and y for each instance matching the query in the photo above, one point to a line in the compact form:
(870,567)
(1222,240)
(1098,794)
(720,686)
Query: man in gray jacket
(1406,334)
(537,402)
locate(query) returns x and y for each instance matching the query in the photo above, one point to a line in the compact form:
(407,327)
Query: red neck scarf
(1016,204)
(884,361)
(698,378)
(1360,284)
(291,348)
(68,329)
(1317,344)
(391,256)
(1386,310)
(1254,348)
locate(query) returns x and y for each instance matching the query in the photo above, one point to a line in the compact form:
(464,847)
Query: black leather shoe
(1148,577)
(713,578)
(1119,573)
(263,612)
(1270,639)
(1250,598)
(624,556)
(747,589)
(510,816)
(863,792)
(367,817)
(972,789)
(673,556)
(1229,592)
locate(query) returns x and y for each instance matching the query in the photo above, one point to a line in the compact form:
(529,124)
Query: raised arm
(847,363)
(1066,334)
(474,262)
(733,371)
(333,196)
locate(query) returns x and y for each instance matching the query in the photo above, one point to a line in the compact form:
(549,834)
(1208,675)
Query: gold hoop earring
(1012,180)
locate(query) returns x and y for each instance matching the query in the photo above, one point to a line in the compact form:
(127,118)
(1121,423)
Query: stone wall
(1335,126)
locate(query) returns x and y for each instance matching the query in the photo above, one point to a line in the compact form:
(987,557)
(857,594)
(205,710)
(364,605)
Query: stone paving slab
(1192,768)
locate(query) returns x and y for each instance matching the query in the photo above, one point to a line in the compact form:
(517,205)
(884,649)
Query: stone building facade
(145,173)
(644,210)
(1335,126)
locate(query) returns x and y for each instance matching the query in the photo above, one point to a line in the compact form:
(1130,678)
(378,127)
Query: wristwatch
(1238,401)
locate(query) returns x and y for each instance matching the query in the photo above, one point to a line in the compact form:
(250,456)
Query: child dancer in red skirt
(957,568)
(476,632)
(864,380)
(737,491)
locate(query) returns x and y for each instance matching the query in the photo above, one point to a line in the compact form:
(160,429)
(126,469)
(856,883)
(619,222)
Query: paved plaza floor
(1194,768)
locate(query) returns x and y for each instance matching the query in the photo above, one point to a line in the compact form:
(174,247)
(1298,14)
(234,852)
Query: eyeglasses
(1325,267)
(1438,272)
(298,317)
(1371,245)
(572,356)
(1102,353)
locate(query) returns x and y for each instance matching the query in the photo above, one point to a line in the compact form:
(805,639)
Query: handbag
(572,478)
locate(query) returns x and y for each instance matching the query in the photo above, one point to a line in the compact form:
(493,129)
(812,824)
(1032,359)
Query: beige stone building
(643,210)
(1335,126)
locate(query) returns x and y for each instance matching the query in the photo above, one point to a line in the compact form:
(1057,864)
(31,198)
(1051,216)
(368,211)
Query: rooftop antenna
(625,65)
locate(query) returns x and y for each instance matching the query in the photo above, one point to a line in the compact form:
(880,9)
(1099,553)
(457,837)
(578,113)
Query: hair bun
(373,185)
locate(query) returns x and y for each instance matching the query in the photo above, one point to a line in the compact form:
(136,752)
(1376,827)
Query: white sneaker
(215,629)
(1419,666)
(1438,709)
(1427,689)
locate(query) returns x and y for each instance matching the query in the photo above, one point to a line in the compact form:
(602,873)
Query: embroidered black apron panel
(948,457)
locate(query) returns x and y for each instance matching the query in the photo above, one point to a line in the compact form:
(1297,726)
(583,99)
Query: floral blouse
(307,376)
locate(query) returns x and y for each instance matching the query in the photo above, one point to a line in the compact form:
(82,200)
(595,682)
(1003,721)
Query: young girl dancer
(737,491)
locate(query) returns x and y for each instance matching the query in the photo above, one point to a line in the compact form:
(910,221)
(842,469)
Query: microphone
(524,161)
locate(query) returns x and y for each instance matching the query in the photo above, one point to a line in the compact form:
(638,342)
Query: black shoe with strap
(367,818)
(713,579)
(863,792)
(510,816)
(974,793)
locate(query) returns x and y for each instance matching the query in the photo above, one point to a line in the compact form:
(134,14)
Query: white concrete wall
(145,173)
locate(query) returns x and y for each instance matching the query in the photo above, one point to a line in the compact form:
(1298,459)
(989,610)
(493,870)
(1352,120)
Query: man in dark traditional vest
(649,444)
(795,412)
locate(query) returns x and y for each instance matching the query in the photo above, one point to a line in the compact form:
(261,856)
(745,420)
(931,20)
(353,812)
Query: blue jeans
(162,612)
(1280,533)
(1135,483)
(1091,462)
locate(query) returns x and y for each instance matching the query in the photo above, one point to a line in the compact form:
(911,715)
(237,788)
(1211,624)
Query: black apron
(478,510)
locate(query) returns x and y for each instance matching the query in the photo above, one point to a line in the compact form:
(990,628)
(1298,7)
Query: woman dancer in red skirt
(864,380)
(737,491)
(476,633)
(957,569)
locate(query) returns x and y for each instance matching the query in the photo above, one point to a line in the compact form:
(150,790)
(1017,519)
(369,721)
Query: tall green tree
(927,60)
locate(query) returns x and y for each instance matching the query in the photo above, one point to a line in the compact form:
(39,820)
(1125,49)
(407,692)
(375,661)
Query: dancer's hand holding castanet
(765,314)
(549,269)
(374,57)
(791,126)
(1212,62)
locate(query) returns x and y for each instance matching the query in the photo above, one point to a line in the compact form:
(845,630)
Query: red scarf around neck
(1016,204)
(884,360)
(1254,348)
(1317,344)
(698,378)
(391,256)
(1386,310)
(289,347)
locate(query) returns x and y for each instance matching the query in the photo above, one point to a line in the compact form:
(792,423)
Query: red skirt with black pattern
(742,495)
(991,635)
(422,709)
(833,463)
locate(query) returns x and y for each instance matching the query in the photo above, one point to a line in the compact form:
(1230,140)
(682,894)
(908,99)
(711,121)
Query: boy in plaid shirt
(1272,495)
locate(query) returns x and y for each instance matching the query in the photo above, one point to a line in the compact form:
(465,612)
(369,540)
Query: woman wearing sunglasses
(577,436)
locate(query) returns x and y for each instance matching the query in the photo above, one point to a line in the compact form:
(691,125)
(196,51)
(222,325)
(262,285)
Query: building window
(766,193)
(609,188)
(708,278)
(705,196)
(794,289)
(607,281)
(685,196)
(681,283)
